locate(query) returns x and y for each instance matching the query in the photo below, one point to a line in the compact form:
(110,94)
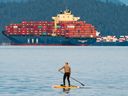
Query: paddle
(74,79)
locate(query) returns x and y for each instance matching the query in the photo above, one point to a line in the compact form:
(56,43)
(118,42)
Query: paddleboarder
(67,72)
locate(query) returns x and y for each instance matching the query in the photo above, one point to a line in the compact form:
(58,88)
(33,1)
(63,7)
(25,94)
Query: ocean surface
(31,71)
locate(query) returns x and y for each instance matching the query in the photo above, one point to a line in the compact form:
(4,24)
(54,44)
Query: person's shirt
(66,68)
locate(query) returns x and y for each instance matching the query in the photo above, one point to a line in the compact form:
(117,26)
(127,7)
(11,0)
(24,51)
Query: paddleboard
(65,87)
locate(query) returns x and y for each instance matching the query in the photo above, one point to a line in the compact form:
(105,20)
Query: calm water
(31,71)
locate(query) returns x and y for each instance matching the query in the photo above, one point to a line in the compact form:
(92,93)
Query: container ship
(64,29)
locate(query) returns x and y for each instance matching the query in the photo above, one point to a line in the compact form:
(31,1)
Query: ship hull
(49,40)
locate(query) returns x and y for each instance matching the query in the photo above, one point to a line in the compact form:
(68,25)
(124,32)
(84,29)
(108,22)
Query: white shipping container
(70,26)
(15,27)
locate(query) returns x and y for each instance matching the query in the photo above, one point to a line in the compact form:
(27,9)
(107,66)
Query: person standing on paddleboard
(67,72)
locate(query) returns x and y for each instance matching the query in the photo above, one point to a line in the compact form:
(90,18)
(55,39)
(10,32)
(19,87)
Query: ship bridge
(65,16)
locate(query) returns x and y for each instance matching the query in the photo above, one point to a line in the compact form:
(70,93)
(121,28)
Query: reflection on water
(66,90)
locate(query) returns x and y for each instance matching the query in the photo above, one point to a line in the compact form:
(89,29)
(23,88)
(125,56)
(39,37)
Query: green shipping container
(39,26)
(44,33)
(58,26)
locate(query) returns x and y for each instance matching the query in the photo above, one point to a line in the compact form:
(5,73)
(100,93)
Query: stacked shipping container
(67,29)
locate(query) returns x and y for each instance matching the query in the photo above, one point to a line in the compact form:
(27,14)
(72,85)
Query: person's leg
(64,77)
(68,78)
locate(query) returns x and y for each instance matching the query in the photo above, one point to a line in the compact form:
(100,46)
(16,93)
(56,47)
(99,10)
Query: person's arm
(61,68)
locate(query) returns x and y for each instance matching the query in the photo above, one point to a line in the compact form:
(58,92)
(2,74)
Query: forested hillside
(108,18)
